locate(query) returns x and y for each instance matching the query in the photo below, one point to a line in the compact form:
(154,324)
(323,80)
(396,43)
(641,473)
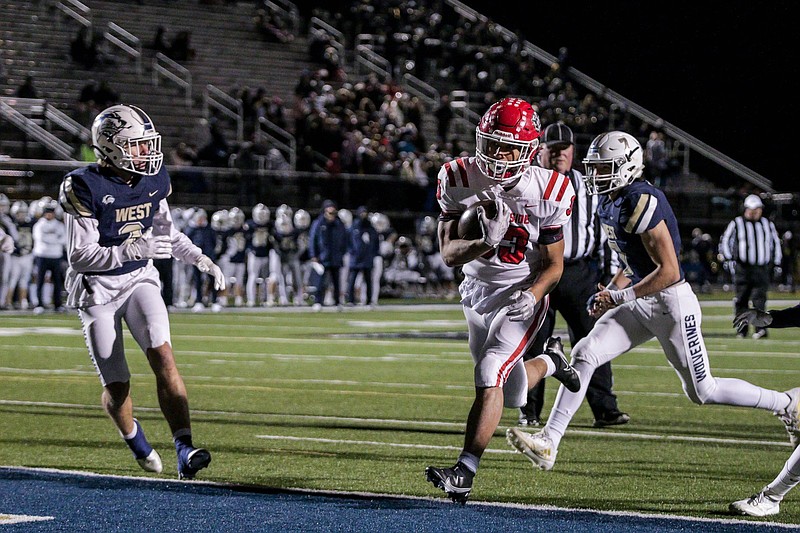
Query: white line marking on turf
(359,494)
(6,519)
(411,423)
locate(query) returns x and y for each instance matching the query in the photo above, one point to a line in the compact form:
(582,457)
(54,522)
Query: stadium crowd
(265,255)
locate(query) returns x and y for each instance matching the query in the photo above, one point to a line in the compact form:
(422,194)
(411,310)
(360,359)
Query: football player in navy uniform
(768,500)
(647,298)
(257,234)
(118,220)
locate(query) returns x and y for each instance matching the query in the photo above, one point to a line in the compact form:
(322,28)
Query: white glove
(6,244)
(148,246)
(522,307)
(205,265)
(752,317)
(494,229)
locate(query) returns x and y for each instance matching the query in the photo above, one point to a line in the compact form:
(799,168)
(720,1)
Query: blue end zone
(88,502)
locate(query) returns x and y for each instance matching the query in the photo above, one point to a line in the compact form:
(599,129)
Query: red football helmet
(510,124)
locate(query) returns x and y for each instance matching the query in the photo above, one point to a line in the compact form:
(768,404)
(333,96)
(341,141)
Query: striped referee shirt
(751,242)
(582,233)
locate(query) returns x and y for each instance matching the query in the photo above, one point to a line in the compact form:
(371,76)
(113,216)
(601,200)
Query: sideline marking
(409,423)
(372,495)
(22,518)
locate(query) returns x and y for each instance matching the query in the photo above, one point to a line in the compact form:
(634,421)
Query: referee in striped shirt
(582,236)
(752,243)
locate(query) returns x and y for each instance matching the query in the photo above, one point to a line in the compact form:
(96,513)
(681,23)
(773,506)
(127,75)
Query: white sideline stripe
(359,494)
(411,423)
(585,433)
(6,519)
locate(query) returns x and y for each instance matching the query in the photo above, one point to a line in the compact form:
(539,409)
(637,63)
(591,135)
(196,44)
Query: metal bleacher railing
(9,112)
(75,10)
(214,98)
(164,67)
(127,42)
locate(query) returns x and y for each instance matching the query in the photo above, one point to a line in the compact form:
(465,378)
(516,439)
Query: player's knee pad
(585,354)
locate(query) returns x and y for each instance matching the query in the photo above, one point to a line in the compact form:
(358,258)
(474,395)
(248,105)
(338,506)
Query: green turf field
(363,401)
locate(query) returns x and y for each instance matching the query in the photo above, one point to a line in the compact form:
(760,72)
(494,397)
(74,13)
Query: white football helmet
(220,221)
(621,153)
(261,214)
(124,136)
(236,217)
(284,209)
(19,210)
(346,216)
(302,219)
(427,226)
(380,222)
(283,225)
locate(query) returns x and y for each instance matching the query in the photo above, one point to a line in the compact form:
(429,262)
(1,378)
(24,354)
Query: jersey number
(512,247)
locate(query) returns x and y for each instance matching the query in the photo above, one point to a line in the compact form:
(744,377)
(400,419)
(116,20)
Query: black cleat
(456,482)
(613,418)
(564,371)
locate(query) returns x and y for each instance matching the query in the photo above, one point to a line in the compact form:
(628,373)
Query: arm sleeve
(83,250)
(786,318)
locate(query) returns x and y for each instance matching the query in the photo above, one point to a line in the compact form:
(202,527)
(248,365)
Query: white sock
(132,433)
(551,366)
(470,461)
(787,479)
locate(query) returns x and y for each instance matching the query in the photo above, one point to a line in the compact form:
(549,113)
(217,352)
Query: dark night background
(721,73)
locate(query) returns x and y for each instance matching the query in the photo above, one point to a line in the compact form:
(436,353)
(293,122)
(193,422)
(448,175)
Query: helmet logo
(112,124)
(108,199)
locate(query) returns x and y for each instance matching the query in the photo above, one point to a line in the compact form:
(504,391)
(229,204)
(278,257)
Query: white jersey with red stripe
(540,202)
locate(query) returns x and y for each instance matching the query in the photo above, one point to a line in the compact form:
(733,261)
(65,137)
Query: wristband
(623,296)
(612,287)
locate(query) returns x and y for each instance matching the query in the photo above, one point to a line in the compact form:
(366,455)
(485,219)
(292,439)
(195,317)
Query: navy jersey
(123,211)
(258,238)
(235,244)
(24,243)
(639,207)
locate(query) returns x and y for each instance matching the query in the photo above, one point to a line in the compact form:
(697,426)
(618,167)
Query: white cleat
(791,416)
(151,463)
(537,447)
(756,505)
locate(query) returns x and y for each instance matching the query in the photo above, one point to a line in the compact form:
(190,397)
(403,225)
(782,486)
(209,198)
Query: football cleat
(456,482)
(538,447)
(144,454)
(756,505)
(791,416)
(191,460)
(564,371)
(525,420)
(151,463)
(614,418)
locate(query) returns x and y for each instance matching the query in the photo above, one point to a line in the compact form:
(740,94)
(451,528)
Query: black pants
(52,265)
(351,283)
(164,267)
(578,283)
(333,273)
(752,283)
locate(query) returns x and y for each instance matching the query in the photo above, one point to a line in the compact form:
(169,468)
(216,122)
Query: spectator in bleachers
(444,115)
(159,43)
(105,96)
(26,89)
(656,158)
(180,48)
(83,48)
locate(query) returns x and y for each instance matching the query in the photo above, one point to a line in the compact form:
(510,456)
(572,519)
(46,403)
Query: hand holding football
(469,226)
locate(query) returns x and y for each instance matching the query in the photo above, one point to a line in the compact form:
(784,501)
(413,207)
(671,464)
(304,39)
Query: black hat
(558,133)
(328,203)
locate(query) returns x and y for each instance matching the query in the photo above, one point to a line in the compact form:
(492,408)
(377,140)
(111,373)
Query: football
(469,226)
